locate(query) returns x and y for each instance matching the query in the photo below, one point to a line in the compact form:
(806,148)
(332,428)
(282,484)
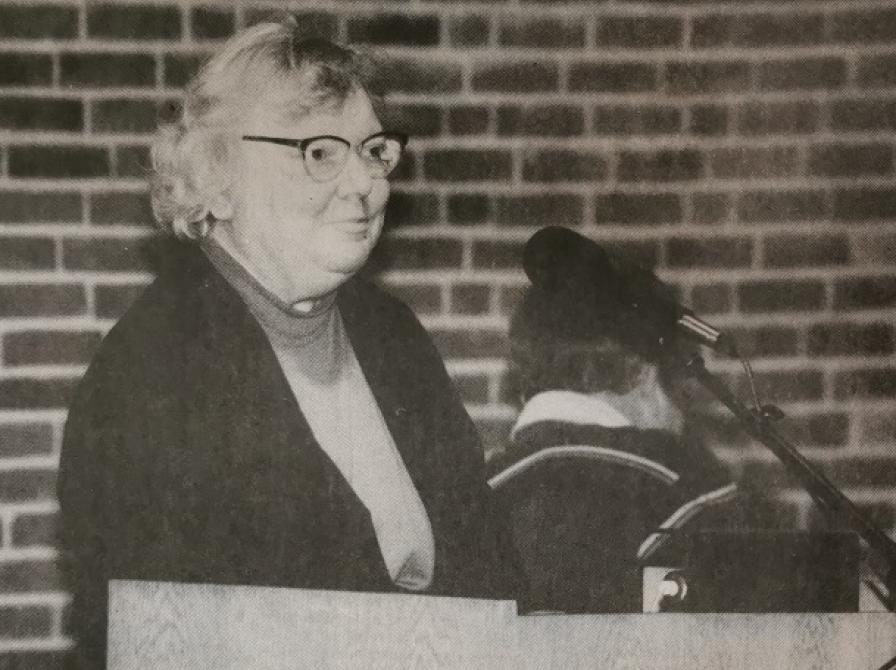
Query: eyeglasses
(324,156)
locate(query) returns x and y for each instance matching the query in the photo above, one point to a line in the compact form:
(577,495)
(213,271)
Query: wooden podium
(163,626)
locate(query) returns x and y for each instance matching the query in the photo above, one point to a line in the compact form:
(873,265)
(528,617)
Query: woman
(260,415)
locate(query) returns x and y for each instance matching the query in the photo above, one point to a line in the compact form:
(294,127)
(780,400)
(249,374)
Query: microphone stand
(758,424)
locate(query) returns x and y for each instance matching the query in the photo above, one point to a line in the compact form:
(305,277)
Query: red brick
(494,255)
(412,209)
(864,27)
(859,114)
(467,165)
(469,208)
(757,30)
(850,339)
(864,204)
(785,386)
(103,255)
(33,300)
(707,77)
(178,69)
(418,30)
(599,77)
(416,120)
(30,530)
(710,208)
(843,160)
(662,166)
(640,120)
(469,30)
(422,298)
(27,253)
(764,342)
(38,660)
(562,165)
(104,69)
(470,343)
(124,115)
(872,383)
(39,22)
(25,439)
(207,23)
(865,293)
(420,254)
(25,393)
(754,162)
(525,76)
(309,24)
(472,389)
(468,120)
(779,206)
(875,71)
(25,69)
(470,298)
(879,428)
(637,208)
(810,73)
(638,32)
(806,251)
(76,162)
(709,120)
(509,297)
(120,209)
(134,22)
(25,621)
(27,485)
(17,113)
(870,248)
(781,296)
(26,576)
(41,347)
(113,300)
(773,118)
(132,161)
(538,210)
(544,120)
(422,76)
(541,32)
(711,299)
(723,252)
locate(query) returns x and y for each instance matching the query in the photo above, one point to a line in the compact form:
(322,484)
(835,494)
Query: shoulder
(363,301)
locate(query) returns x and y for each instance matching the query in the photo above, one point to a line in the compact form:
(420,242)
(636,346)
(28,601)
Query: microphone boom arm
(822,489)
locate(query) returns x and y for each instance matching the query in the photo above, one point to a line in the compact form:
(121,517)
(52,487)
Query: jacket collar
(569,407)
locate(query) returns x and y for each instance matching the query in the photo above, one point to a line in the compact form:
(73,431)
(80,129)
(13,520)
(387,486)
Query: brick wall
(743,148)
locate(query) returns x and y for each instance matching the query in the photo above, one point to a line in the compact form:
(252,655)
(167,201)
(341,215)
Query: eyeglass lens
(325,156)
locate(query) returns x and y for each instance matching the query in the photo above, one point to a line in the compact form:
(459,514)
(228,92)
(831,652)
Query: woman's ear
(221,208)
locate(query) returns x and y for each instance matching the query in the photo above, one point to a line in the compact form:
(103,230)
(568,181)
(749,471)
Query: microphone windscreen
(558,259)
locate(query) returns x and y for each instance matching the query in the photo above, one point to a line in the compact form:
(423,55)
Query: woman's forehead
(352,117)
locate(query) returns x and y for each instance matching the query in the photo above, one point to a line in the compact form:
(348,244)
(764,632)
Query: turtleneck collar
(299,320)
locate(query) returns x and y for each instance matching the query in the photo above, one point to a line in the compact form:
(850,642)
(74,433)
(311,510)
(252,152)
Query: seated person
(599,474)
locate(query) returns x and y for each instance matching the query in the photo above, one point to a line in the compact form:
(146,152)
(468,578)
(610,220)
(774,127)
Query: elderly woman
(261,415)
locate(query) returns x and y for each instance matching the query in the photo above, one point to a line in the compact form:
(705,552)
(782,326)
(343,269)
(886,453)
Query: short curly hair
(269,63)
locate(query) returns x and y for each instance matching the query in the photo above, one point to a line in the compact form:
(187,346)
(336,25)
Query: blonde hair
(265,64)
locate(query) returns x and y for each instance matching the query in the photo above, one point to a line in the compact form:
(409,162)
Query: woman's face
(301,238)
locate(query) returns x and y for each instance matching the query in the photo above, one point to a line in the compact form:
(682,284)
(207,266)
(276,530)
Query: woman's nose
(354,178)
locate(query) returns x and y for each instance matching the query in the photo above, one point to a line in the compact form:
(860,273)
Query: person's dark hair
(557,343)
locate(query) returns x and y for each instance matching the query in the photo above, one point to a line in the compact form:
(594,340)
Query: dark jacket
(593,519)
(186,457)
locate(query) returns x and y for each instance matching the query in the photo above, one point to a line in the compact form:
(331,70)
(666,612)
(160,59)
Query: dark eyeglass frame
(303,144)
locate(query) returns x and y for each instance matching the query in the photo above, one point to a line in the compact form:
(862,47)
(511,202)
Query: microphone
(560,260)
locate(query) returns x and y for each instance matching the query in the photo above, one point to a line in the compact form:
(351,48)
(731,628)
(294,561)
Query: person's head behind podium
(559,344)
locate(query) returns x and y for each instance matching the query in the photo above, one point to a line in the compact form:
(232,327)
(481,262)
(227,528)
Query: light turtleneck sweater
(326,379)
